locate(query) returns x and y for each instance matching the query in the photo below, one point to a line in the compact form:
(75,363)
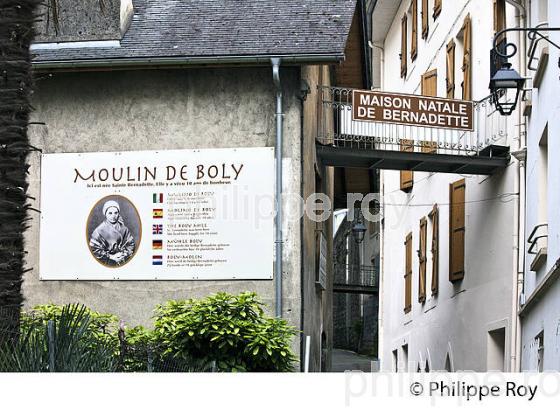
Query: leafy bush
(232,331)
(59,341)
(101,330)
(221,332)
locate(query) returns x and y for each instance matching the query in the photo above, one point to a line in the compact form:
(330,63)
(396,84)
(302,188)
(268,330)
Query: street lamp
(359,229)
(505,79)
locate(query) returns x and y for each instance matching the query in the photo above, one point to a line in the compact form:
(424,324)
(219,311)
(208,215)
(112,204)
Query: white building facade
(540,302)
(449,241)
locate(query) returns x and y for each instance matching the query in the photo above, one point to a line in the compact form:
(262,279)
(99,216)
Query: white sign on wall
(151,215)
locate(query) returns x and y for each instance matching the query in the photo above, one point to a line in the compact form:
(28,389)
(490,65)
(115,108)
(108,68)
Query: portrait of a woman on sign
(113,231)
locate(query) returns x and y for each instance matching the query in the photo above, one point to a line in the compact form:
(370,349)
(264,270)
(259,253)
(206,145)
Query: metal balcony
(355,279)
(343,142)
(538,246)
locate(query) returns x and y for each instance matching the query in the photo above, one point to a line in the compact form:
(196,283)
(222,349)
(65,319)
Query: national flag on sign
(157,229)
(158,198)
(157,244)
(157,213)
(157,260)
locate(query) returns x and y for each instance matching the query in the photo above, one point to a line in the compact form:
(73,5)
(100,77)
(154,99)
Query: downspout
(519,208)
(520,276)
(278,217)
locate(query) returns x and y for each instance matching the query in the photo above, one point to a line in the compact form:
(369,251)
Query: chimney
(84,20)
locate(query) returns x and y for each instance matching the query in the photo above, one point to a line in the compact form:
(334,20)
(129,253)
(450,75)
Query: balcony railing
(355,278)
(538,246)
(337,128)
(535,48)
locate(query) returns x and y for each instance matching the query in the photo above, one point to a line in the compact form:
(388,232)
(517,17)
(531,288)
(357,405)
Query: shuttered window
(437,8)
(499,15)
(434,216)
(457,230)
(425,25)
(422,260)
(407,177)
(467,59)
(499,25)
(450,69)
(429,88)
(408,274)
(403,46)
(414,34)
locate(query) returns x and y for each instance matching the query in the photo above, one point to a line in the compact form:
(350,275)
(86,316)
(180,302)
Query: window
(499,25)
(428,87)
(448,365)
(407,177)
(414,31)
(499,15)
(437,8)
(429,83)
(434,216)
(408,274)
(539,342)
(422,260)
(450,69)
(457,230)
(403,46)
(425,26)
(496,350)
(395,361)
(405,358)
(467,59)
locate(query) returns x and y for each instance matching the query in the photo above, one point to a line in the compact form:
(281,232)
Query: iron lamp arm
(532,34)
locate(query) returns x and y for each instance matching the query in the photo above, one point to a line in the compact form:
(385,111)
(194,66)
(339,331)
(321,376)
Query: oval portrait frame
(137,243)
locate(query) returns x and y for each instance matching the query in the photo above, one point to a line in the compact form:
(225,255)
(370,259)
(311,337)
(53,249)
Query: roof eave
(289,59)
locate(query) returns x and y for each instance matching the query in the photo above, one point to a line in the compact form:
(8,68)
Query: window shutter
(450,67)
(499,25)
(429,88)
(499,15)
(414,39)
(467,59)
(407,177)
(403,46)
(408,274)
(437,8)
(425,26)
(422,260)
(434,215)
(457,230)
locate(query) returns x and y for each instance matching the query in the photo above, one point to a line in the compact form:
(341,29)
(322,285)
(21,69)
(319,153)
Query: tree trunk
(16,32)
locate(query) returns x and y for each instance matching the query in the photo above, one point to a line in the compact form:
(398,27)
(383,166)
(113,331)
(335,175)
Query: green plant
(62,343)
(102,329)
(231,331)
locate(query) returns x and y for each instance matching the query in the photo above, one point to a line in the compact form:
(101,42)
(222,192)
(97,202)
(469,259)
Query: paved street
(343,360)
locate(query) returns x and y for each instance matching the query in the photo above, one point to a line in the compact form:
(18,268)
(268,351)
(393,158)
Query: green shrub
(59,341)
(231,331)
(102,329)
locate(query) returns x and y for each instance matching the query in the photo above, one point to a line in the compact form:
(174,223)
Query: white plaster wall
(546,110)
(457,320)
